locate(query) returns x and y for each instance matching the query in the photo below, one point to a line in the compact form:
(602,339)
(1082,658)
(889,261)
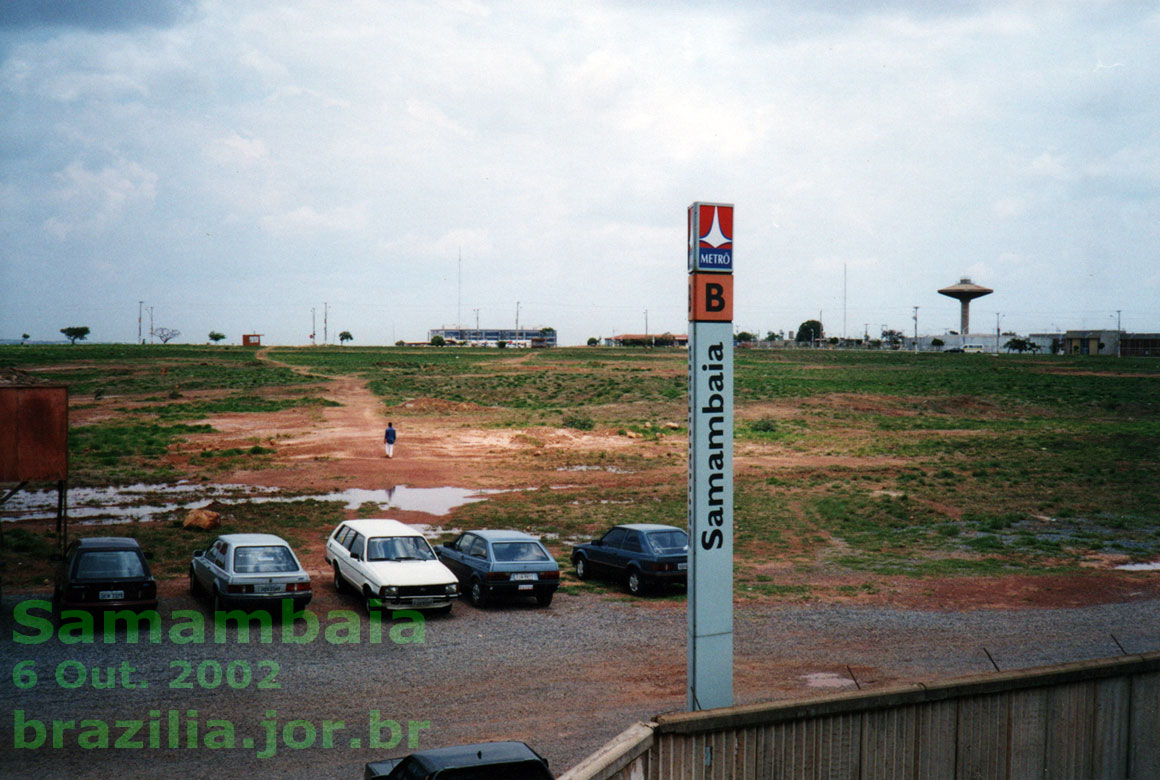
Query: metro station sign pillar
(710,501)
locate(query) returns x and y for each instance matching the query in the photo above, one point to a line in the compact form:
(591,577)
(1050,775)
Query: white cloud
(93,201)
(308,220)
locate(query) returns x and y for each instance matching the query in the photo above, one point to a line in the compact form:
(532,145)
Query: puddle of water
(827,680)
(1139,566)
(110,505)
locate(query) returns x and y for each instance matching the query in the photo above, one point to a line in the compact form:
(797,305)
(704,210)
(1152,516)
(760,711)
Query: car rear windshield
(264,560)
(508,552)
(667,542)
(399,548)
(109,565)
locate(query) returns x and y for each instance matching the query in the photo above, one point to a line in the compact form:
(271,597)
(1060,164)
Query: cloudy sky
(235,165)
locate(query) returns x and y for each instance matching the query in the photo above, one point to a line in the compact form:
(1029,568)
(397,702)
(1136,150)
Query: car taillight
(239,589)
(549,575)
(298,586)
(497,575)
(149,590)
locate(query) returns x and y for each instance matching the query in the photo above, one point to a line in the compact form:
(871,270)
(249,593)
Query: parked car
(104,572)
(501,564)
(390,562)
(254,571)
(641,555)
(485,761)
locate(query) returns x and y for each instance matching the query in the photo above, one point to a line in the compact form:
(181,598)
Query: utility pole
(139,305)
(517,319)
(844,304)
(916,330)
(646,326)
(459,294)
(998,317)
(150,324)
(325,334)
(313,327)
(1118,333)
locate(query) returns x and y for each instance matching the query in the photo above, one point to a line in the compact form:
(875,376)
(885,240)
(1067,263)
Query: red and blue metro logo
(714,248)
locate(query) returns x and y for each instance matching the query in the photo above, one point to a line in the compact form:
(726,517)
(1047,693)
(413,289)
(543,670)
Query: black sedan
(501,564)
(485,761)
(104,572)
(640,555)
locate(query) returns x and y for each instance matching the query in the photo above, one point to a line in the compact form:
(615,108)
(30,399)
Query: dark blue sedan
(501,564)
(640,555)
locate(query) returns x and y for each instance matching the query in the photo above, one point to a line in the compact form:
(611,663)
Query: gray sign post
(710,502)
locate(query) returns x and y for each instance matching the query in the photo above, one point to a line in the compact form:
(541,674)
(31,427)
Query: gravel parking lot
(564,679)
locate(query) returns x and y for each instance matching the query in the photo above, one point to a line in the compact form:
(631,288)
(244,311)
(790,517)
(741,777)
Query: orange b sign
(710,297)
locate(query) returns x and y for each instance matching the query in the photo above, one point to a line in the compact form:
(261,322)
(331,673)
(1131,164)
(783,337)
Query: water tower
(965,292)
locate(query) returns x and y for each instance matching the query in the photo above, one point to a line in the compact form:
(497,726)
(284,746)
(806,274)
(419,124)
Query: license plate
(274,588)
(111,595)
(526,587)
(527,575)
(682,567)
(424,600)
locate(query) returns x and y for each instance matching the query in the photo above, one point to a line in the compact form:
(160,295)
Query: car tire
(219,602)
(477,594)
(367,596)
(545,599)
(634,582)
(583,568)
(194,588)
(339,582)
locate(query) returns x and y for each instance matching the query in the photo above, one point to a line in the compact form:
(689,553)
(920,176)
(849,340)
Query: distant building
(476,337)
(252,340)
(1140,345)
(1111,342)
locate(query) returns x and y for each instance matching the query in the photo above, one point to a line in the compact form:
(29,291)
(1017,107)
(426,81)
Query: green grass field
(881,463)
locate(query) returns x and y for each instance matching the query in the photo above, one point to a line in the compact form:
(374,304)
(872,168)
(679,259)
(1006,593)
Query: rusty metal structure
(34,443)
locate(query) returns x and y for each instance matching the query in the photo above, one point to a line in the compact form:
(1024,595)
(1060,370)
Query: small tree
(215,337)
(745,337)
(809,331)
(345,336)
(892,337)
(75,333)
(772,336)
(593,341)
(400,343)
(937,342)
(166,335)
(24,337)
(437,340)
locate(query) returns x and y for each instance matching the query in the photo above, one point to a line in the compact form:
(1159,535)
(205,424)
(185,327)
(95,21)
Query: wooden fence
(1094,720)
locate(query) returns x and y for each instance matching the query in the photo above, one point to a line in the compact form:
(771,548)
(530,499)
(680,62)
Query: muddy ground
(568,678)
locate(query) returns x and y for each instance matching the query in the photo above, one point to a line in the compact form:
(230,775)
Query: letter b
(20,728)
(714,297)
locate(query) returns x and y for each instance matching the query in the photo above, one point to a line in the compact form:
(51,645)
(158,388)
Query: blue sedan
(499,564)
(638,554)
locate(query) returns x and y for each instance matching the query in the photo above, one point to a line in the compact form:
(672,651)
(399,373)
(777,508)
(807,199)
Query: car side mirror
(199,553)
(356,556)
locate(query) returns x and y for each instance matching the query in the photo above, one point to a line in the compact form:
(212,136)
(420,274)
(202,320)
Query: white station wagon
(389,562)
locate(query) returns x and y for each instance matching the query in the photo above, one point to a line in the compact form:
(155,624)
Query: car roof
(504,535)
(474,755)
(382,527)
(646,527)
(250,539)
(107,543)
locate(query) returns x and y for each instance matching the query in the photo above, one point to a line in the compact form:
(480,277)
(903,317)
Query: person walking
(389,440)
